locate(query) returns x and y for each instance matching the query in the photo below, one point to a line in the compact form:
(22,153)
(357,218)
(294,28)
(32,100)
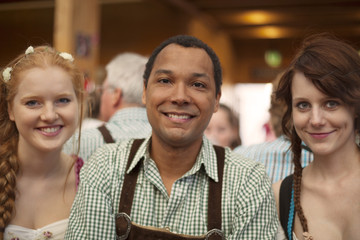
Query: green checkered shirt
(248,207)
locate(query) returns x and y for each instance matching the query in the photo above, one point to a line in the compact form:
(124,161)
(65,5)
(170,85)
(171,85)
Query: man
(173,186)
(120,106)
(275,155)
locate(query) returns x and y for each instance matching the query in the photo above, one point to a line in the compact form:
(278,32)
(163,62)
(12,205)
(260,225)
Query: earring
(357,139)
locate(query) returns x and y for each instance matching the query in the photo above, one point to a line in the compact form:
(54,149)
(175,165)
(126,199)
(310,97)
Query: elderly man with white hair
(121,106)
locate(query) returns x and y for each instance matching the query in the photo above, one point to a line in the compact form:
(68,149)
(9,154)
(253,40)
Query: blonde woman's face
(45,109)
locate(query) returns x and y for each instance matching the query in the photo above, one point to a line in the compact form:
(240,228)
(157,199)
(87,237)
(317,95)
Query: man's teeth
(178,116)
(50,130)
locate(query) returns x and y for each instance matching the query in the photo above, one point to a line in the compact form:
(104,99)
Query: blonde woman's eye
(32,103)
(64,100)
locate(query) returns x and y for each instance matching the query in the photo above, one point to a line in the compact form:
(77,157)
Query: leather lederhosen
(125,229)
(106,134)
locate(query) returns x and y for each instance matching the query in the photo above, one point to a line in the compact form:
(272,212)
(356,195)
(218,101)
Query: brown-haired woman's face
(324,123)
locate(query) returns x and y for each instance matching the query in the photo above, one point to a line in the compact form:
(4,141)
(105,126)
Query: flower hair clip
(7,74)
(29,50)
(66,56)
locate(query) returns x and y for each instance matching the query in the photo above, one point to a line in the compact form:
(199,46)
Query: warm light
(270,32)
(255,17)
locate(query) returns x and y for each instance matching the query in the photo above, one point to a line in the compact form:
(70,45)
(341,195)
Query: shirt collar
(206,158)
(141,153)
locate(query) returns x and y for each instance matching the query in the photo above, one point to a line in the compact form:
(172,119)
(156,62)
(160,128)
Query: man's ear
(144,95)
(116,97)
(217,101)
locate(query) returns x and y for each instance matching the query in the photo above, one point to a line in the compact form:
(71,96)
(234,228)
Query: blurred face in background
(220,131)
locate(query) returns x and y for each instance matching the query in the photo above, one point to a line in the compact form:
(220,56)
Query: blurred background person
(120,105)
(275,154)
(92,115)
(223,128)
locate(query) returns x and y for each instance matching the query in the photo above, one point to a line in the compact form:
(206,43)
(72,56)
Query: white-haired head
(126,71)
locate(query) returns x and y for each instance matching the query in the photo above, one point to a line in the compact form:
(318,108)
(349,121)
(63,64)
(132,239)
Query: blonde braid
(9,163)
(9,166)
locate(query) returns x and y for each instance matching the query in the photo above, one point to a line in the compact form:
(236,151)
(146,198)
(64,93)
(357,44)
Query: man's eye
(164,80)
(199,85)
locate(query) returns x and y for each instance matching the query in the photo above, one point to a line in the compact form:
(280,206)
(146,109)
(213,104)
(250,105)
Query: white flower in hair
(29,50)
(7,74)
(67,56)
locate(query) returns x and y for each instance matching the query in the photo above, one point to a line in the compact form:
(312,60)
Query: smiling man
(174,184)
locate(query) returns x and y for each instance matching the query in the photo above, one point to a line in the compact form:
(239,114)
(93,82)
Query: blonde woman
(41,106)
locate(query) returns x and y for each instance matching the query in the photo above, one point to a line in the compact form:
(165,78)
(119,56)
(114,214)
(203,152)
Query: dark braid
(296,149)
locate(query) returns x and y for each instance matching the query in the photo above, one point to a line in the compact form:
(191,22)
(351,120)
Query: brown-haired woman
(322,91)
(41,106)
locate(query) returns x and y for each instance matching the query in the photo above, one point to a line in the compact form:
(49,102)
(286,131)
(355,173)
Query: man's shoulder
(242,174)
(241,163)
(107,151)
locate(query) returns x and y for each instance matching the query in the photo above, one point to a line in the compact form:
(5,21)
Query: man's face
(180,95)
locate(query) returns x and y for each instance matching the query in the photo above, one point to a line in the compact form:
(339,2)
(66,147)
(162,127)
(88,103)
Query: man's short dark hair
(187,41)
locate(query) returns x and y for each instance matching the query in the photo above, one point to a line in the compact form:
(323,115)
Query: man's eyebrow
(163,71)
(169,72)
(201,75)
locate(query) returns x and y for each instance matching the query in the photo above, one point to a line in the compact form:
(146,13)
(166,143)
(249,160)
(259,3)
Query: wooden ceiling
(254,26)
(271,19)
(253,19)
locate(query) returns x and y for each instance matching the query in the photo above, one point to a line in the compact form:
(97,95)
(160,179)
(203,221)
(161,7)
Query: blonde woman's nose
(49,113)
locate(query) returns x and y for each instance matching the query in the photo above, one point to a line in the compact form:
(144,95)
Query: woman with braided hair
(41,106)
(321,88)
